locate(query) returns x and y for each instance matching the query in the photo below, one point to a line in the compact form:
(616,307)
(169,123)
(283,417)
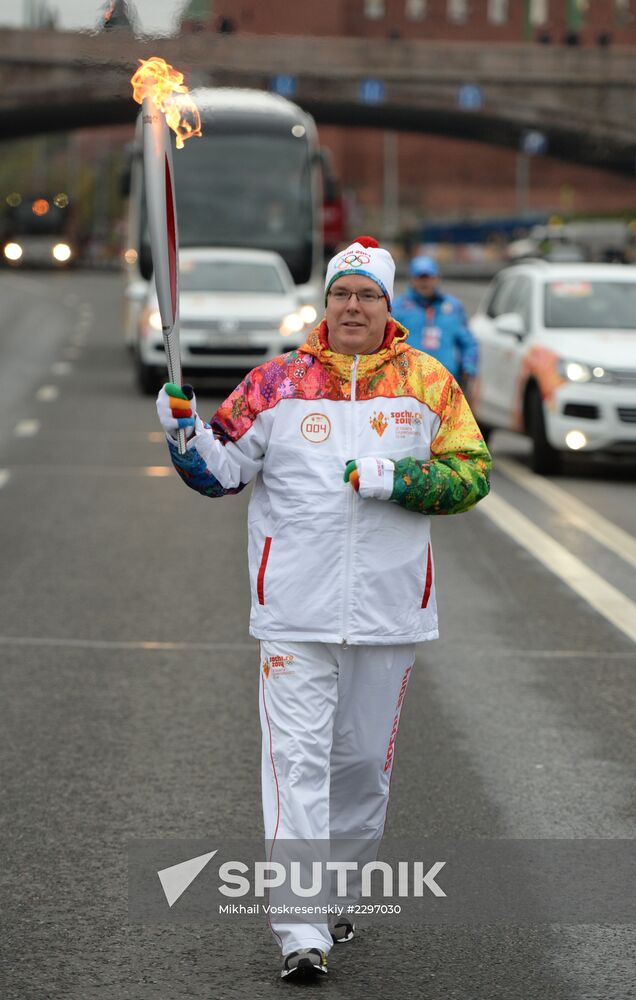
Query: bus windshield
(35,218)
(247,190)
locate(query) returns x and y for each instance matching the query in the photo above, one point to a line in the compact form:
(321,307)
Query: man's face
(356,327)
(425,284)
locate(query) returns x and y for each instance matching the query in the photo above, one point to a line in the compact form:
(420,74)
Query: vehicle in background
(558,359)
(252,181)
(238,309)
(37,231)
(606,240)
(334,213)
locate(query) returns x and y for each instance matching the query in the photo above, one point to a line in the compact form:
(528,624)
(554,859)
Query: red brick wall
(337,17)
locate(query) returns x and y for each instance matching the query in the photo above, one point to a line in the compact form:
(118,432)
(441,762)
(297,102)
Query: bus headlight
(13,251)
(308,314)
(293,323)
(61,252)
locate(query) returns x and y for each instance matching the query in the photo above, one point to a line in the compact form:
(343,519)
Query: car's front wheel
(544,459)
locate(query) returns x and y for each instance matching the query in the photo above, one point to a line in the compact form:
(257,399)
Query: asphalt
(518,722)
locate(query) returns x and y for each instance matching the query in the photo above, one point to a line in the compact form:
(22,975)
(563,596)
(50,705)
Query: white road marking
(26,428)
(151,645)
(4,477)
(78,339)
(607,600)
(150,471)
(26,640)
(61,368)
(573,510)
(47,393)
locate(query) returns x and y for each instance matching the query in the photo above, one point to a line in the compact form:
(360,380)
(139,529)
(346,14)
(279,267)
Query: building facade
(393,183)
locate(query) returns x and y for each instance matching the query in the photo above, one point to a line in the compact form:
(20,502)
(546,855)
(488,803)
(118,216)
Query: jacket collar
(317,344)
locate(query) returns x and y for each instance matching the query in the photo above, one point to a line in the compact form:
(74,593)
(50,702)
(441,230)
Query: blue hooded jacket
(438,326)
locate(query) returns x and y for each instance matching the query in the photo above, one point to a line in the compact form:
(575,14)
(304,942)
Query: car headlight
(154,320)
(308,314)
(578,371)
(13,251)
(293,323)
(61,252)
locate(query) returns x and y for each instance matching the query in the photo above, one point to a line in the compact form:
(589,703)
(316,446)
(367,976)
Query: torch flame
(164,85)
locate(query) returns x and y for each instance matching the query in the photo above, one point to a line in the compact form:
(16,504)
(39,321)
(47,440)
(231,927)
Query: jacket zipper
(351,510)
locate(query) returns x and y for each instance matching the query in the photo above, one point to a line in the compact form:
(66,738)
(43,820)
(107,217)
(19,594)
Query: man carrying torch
(353,442)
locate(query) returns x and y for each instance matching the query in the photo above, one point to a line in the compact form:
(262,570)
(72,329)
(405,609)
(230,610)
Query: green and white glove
(176,407)
(372,478)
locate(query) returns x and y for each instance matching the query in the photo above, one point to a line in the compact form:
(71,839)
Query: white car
(558,358)
(238,309)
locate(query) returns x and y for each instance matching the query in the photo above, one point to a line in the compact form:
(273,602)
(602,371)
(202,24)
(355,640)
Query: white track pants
(329,718)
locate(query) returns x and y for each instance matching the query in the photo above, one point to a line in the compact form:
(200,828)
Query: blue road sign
(470,97)
(533,142)
(372,91)
(284,84)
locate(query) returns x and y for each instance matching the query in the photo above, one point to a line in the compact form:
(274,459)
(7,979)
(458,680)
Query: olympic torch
(163,97)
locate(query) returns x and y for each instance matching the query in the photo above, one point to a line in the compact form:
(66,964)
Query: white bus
(253,180)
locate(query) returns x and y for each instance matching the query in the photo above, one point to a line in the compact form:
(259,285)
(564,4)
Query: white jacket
(326,565)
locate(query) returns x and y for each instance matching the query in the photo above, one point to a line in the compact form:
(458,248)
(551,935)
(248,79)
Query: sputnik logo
(176,879)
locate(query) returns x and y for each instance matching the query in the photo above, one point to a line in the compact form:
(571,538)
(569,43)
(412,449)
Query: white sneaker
(307,963)
(342,931)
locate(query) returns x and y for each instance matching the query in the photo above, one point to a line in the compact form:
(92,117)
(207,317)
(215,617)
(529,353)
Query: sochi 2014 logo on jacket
(407,423)
(316,427)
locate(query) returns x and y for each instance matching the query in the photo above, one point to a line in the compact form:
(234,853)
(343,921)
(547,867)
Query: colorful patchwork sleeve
(456,476)
(224,455)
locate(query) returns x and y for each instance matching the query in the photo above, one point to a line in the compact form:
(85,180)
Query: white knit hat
(364,256)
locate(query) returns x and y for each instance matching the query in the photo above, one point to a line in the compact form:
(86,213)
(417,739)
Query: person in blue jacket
(437,321)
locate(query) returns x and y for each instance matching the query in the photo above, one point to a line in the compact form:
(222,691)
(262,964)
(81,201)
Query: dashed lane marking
(4,477)
(599,594)
(573,510)
(47,393)
(26,428)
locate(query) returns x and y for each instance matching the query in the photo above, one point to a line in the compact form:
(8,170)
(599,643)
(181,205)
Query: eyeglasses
(367,298)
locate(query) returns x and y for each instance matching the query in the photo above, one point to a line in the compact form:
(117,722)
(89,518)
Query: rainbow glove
(176,408)
(372,478)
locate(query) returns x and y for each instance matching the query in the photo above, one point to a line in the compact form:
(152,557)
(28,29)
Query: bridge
(584,100)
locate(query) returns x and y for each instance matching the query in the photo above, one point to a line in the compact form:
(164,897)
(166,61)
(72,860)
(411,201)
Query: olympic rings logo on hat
(356,259)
